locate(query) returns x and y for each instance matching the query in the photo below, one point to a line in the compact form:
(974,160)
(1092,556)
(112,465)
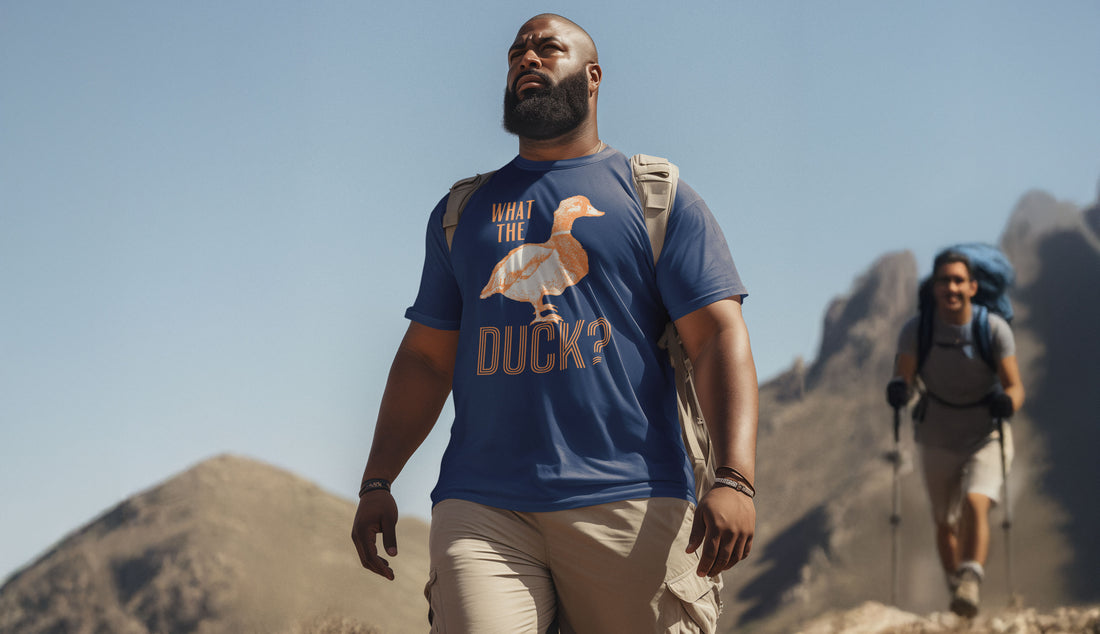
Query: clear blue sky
(211,214)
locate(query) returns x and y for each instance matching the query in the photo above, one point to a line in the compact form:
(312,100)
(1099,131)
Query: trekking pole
(895,517)
(1006,524)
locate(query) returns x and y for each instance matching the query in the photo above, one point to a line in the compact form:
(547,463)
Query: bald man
(565,500)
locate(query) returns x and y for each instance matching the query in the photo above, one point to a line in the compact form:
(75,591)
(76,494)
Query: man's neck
(956,318)
(582,141)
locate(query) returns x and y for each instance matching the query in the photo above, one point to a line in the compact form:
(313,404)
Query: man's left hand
(724,524)
(1000,405)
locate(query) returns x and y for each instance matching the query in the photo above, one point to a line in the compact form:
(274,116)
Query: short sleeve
(438,302)
(695,267)
(1004,343)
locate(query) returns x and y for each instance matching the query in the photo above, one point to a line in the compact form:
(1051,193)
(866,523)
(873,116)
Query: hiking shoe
(952,583)
(964,601)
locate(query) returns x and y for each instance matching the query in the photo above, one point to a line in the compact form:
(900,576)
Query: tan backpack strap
(693,427)
(456,202)
(655,180)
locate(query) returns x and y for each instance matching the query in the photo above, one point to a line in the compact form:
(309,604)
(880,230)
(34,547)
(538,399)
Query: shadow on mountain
(788,552)
(1065,402)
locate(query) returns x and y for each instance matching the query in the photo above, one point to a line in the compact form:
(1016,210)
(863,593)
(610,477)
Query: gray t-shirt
(955,373)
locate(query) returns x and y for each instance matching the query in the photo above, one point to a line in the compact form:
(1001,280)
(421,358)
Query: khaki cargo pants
(617,567)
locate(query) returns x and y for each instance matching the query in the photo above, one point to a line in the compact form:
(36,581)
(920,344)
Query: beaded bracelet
(734,474)
(735,485)
(374,484)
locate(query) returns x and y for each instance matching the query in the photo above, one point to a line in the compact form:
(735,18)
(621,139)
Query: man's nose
(530,59)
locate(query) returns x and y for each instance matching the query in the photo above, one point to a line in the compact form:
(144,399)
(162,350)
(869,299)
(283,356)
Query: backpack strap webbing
(693,427)
(982,335)
(456,201)
(655,180)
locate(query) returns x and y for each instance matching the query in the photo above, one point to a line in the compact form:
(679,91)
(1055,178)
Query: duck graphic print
(532,272)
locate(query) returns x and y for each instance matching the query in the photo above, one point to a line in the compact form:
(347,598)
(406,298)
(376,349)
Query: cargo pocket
(699,604)
(429,594)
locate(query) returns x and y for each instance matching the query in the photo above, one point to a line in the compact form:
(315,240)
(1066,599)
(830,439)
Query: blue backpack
(995,276)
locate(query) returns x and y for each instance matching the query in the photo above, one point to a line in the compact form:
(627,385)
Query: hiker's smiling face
(953,288)
(553,79)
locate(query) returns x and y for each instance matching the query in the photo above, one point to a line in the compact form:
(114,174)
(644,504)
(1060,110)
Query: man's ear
(595,74)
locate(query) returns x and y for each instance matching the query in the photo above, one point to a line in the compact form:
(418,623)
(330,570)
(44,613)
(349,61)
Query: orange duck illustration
(532,271)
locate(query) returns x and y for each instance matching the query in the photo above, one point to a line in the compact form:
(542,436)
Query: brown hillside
(231,545)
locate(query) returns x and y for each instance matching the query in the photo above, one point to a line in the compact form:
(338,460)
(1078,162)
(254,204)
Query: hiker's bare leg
(942,478)
(947,544)
(974,525)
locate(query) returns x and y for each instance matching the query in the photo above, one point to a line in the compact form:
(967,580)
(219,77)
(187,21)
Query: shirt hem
(529,506)
(431,322)
(705,300)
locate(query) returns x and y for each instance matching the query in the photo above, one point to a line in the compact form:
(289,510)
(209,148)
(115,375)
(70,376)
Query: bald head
(583,40)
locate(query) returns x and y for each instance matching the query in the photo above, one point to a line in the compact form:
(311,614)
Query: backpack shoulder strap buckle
(655,180)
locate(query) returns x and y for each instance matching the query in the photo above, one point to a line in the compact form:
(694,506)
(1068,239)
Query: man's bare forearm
(725,381)
(1009,374)
(716,340)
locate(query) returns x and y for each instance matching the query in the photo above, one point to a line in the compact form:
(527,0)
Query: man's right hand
(724,524)
(897,392)
(377,513)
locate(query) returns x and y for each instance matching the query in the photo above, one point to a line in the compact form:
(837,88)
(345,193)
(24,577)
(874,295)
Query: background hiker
(965,356)
(565,499)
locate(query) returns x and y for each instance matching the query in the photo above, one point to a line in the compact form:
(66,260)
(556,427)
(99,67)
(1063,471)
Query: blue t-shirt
(562,397)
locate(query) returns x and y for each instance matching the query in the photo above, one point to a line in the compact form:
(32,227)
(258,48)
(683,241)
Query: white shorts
(951,475)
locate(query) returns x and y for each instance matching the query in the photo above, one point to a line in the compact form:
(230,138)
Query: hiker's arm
(905,367)
(1008,370)
(717,342)
(900,388)
(417,388)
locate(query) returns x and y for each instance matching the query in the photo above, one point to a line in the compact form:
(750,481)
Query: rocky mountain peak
(860,327)
(1036,216)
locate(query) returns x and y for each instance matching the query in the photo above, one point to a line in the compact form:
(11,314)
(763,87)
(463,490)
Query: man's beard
(547,113)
